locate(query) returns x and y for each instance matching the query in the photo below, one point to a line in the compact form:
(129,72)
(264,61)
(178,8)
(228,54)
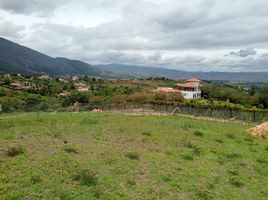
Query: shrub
(219,141)
(233,172)
(235,182)
(97,192)
(197,151)
(44,106)
(198,133)
(35,178)
(2,92)
(89,121)
(262,160)
(204,194)
(86,177)
(147,133)
(14,151)
(10,104)
(230,136)
(233,155)
(133,156)
(187,157)
(70,150)
(131,181)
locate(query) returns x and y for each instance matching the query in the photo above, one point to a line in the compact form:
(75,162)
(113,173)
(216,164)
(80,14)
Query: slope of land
(139,71)
(15,58)
(103,156)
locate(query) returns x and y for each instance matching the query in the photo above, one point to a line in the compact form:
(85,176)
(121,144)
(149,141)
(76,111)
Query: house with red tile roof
(189,90)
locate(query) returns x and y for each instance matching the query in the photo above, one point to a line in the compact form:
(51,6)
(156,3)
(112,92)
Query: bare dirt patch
(260,130)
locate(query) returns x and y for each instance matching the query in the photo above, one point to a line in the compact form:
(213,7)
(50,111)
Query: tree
(159,98)
(7,81)
(252,91)
(2,92)
(138,97)
(96,100)
(175,98)
(263,99)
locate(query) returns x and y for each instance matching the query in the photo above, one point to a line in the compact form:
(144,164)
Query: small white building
(75,78)
(44,77)
(190,89)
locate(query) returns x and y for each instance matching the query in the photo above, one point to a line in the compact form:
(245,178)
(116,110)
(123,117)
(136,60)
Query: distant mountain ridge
(15,58)
(20,59)
(140,71)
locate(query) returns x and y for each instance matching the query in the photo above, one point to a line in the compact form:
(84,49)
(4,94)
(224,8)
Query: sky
(192,35)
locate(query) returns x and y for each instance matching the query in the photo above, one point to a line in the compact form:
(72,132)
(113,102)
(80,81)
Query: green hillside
(15,58)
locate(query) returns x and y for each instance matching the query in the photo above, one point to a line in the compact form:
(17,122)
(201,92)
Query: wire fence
(254,116)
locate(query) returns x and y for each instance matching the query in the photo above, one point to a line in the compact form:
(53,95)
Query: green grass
(100,156)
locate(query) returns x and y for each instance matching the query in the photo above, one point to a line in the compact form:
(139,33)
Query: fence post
(211,112)
(254,116)
(195,111)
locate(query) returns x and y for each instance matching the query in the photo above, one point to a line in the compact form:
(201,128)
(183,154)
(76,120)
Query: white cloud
(123,30)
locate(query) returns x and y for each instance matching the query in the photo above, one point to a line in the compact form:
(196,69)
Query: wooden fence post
(211,112)
(254,116)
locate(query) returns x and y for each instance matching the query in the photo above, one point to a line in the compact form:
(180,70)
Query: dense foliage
(60,93)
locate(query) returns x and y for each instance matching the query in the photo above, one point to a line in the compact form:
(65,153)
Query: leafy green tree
(2,92)
(10,104)
(7,81)
(263,99)
(159,98)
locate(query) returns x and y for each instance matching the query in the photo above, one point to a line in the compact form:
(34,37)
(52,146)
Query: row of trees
(248,99)
(138,98)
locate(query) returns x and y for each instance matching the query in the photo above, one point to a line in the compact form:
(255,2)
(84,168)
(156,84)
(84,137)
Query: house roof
(193,80)
(166,89)
(15,84)
(187,85)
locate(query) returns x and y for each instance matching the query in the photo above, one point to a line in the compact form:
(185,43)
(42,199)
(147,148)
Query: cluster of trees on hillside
(247,98)
(44,94)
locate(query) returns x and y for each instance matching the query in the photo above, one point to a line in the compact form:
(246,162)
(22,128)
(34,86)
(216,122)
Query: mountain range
(20,59)
(145,71)
(15,58)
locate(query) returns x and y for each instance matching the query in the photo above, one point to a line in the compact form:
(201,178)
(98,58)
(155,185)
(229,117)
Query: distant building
(75,78)
(83,89)
(19,86)
(16,85)
(189,90)
(63,94)
(44,77)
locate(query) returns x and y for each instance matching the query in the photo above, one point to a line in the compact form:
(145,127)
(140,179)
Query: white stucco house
(189,90)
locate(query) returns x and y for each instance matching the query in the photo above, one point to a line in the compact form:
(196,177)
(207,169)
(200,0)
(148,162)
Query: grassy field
(102,156)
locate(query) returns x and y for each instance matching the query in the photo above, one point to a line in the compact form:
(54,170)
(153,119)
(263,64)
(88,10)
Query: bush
(147,133)
(187,157)
(2,93)
(44,106)
(198,133)
(138,97)
(133,156)
(86,177)
(10,104)
(35,178)
(70,150)
(235,182)
(14,151)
